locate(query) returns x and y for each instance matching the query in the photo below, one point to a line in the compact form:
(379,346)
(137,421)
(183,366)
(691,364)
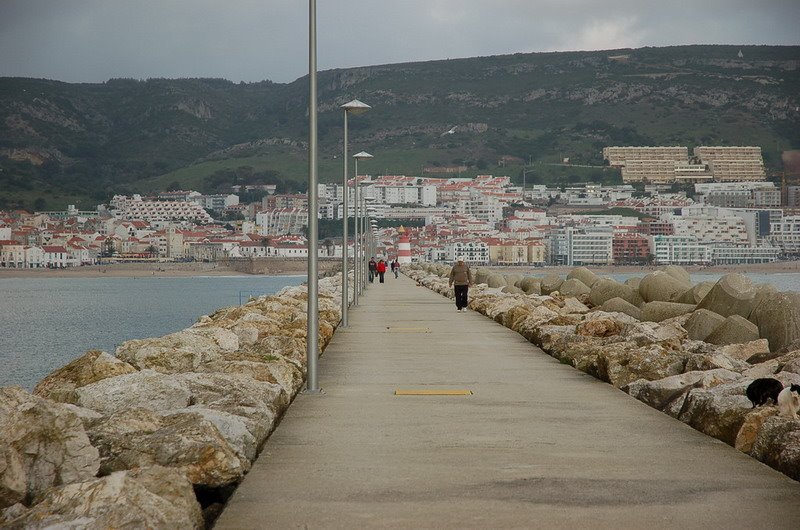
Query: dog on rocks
(789,401)
(764,389)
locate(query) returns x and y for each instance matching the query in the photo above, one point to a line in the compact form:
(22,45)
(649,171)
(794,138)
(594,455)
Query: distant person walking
(372,266)
(381,269)
(461,278)
(396,267)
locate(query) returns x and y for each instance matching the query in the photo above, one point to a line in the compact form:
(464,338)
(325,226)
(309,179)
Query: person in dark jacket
(461,279)
(396,267)
(372,266)
(380,268)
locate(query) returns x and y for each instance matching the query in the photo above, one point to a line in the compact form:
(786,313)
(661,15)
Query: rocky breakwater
(159,434)
(688,350)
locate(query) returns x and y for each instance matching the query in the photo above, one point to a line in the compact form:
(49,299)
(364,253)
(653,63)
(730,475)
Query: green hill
(63,142)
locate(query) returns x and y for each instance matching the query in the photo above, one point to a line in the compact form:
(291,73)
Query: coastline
(762,268)
(190,269)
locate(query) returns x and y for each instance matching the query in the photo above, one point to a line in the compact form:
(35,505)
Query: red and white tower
(403,247)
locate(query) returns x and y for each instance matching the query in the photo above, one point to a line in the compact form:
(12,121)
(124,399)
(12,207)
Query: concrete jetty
(535,444)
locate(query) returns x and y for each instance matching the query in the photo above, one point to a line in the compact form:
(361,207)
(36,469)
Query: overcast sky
(253,40)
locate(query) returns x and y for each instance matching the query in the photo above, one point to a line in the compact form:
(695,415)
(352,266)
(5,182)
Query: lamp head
(362,155)
(355,107)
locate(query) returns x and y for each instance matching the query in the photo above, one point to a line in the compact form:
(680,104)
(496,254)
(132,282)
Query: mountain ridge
(64,141)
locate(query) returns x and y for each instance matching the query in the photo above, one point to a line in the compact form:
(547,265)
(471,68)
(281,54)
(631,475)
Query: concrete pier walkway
(537,444)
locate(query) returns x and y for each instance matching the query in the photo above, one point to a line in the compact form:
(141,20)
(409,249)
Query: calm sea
(47,322)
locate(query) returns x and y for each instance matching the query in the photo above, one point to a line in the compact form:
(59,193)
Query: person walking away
(372,266)
(396,267)
(380,268)
(461,279)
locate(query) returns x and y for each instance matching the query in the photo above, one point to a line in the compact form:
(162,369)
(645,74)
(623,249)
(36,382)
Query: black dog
(763,389)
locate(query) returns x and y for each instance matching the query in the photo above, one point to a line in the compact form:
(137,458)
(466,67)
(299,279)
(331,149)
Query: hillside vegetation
(63,142)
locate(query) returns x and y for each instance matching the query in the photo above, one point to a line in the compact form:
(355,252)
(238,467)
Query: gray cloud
(252,40)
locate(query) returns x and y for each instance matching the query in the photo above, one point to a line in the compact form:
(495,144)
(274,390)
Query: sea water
(47,322)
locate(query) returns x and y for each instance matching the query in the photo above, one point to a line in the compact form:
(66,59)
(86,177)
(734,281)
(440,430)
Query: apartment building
(679,250)
(732,164)
(282,221)
(729,230)
(619,156)
(785,234)
(136,208)
(475,252)
(630,248)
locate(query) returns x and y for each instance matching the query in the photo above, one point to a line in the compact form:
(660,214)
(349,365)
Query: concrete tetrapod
(733,294)
(734,330)
(573,287)
(618,305)
(778,320)
(551,283)
(658,311)
(584,275)
(660,287)
(702,322)
(604,290)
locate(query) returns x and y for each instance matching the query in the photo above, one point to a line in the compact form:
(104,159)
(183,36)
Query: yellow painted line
(409,330)
(433,392)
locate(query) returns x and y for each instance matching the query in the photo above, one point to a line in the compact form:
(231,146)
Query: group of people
(379,269)
(460,278)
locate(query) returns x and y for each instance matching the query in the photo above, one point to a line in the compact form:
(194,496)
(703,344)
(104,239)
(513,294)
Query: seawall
(630,336)
(160,433)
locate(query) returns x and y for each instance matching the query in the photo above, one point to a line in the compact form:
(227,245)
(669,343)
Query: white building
(785,234)
(679,250)
(282,221)
(476,252)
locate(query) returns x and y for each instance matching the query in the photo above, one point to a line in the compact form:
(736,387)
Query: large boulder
(510,289)
(667,334)
(748,432)
(713,361)
(658,311)
(145,389)
(633,282)
(551,283)
(604,290)
(756,351)
(702,322)
(778,320)
(618,305)
(42,444)
(778,445)
(91,367)
(621,363)
(135,438)
(573,287)
(152,497)
(601,327)
(183,351)
(695,294)
(258,402)
(718,412)
(583,274)
(668,394)
(733,294)
(481,275)
(659,286)
(734,330)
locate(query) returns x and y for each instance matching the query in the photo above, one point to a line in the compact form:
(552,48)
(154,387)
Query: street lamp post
(312,320)
(354,107)
(363,155)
